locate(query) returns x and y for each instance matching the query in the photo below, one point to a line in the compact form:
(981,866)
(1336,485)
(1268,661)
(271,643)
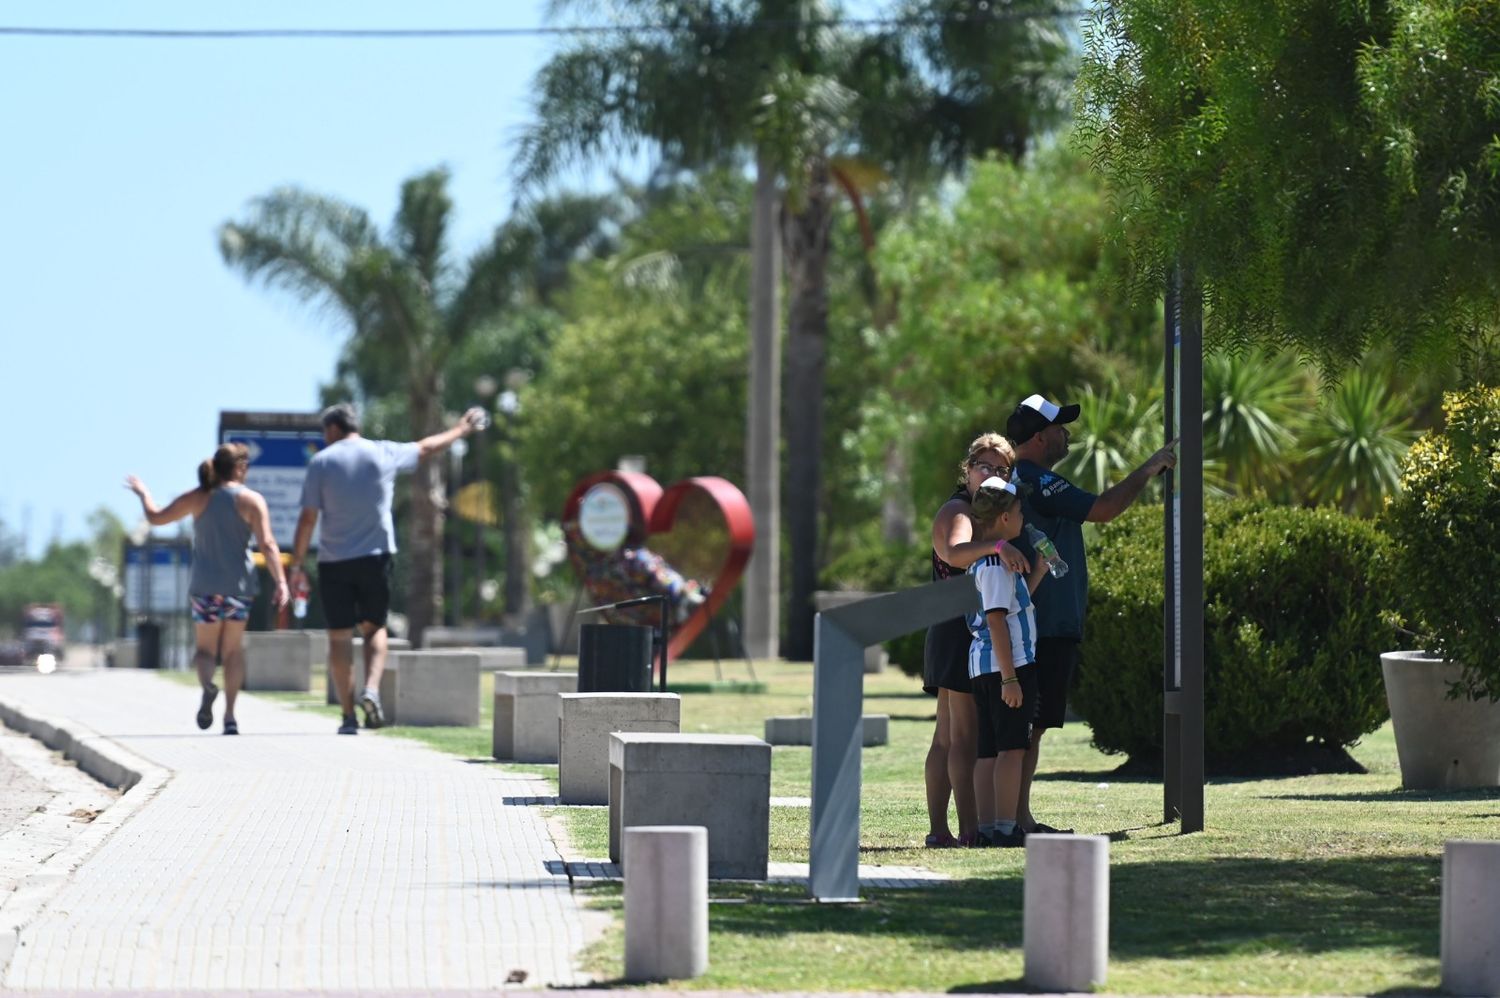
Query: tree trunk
(428,508)
(896,525)
(805,238)
(762,626)
(517,531)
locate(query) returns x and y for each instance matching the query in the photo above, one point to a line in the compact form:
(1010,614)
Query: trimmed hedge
(886,568)
(1293,631)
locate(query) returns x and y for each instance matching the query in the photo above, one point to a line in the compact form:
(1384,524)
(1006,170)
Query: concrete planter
(1442,744)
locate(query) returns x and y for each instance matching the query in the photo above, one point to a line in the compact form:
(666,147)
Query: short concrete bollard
(433,688)
(722,782)
(797,730)
(392,645)
(525,726)
(1471,918)
(460,637)
(124,654)
(666,902)
(1066,919)
(278,660)
(584,724)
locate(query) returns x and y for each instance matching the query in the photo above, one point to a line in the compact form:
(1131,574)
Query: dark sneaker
(1041,829)
(1014,839)
(350,725)
(206,708)
(231,728)
(369,702)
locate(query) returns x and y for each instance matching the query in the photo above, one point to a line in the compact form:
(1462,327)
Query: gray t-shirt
(350,483)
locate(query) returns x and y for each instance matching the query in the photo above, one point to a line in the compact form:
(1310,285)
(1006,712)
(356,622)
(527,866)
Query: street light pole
(485,387)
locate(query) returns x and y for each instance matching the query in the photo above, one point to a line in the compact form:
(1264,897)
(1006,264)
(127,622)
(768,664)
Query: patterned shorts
(212,609)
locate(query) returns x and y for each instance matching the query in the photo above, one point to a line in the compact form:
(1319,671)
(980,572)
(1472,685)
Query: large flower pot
(1442,744)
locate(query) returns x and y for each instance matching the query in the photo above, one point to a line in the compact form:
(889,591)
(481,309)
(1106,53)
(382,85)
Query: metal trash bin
(148,644)
(614,658)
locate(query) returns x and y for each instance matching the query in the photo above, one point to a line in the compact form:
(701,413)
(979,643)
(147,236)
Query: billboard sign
(281,444)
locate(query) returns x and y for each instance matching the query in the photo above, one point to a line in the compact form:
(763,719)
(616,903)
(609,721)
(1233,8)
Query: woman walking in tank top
(225,515)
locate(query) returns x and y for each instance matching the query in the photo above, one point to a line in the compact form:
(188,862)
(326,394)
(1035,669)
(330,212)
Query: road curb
(99,757)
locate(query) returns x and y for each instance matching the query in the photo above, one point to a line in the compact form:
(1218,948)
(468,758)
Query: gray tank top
(221,548)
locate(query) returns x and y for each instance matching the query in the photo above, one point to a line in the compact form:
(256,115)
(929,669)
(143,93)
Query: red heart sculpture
(654,511)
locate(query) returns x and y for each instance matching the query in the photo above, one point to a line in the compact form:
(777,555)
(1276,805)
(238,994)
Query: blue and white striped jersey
(1000,589)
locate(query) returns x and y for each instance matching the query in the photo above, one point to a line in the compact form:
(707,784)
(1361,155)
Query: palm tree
(1252,400)
(1356,444)
(779,82)
(407,302)
(1117,429)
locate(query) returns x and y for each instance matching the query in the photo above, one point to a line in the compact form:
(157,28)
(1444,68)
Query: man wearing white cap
(1038,429)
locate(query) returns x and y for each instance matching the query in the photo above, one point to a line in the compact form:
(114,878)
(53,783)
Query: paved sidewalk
(293,858)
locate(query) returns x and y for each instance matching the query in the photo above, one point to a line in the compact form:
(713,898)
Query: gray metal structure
(840,639)
(1182,658)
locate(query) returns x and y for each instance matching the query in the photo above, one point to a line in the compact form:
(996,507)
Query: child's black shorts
(1002,728)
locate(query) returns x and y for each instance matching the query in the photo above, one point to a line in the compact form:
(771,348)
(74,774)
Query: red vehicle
(42,630)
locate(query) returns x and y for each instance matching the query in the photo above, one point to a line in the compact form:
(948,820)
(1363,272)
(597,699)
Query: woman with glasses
(951,759)
(225,515)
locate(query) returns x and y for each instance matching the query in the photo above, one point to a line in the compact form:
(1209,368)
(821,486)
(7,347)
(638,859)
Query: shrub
(886,568)
(1445,525)
(1293,629)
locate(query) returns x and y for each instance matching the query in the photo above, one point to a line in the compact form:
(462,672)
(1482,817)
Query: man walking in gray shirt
(349,484)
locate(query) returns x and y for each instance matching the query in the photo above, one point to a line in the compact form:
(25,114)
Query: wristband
(1012,679)
(999,545)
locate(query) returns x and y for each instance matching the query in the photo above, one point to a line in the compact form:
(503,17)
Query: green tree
(783,78)
(1252,400)
(1329,171)
(407,302)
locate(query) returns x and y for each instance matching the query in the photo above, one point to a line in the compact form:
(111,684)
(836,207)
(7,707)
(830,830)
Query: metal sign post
(1182,660)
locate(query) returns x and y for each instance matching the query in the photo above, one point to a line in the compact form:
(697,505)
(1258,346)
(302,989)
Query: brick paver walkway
(293,858)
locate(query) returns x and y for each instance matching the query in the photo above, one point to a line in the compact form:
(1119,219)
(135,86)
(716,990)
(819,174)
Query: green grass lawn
(1312,884)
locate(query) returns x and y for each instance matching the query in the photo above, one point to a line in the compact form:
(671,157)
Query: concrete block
(1471,917)
(666,902)
(876,729)
(392,645)
(722,782)
(525,726)
(1065,929)
(584,724)
(432,688)
(278,660)
(124,654)
(461,637)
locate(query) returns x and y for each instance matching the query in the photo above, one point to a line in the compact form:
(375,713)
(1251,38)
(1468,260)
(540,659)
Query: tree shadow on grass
(1178,910)
(1395,796)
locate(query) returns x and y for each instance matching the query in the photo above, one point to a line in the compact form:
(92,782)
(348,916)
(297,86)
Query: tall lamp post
(454,607)
(485,388)
(517,549)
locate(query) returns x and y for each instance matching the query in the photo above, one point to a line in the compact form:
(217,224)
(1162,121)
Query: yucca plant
(1250,403)
(1355,444)
(1117,428)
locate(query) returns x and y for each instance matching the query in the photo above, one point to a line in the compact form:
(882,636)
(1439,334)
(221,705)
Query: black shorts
(1056,658)
(945,657)
(1003,728)
(357,591)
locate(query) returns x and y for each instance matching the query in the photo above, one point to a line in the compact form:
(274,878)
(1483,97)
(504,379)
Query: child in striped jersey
(1002,648)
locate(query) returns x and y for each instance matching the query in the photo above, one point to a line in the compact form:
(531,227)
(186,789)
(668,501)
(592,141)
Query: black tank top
(940,568)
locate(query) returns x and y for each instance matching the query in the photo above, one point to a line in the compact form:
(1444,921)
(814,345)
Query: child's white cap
(995,482)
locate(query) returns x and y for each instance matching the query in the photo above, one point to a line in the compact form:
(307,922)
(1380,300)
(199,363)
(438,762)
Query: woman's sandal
(944,841)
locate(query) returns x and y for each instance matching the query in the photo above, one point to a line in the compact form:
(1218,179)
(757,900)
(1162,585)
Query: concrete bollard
(1066,920)
(666,902)
(1471,918)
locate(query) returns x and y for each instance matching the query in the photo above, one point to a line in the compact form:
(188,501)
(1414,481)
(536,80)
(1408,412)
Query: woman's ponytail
(206,477)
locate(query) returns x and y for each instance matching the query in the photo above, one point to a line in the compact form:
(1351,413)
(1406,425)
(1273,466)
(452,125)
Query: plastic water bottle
(300,593)
(1047,551)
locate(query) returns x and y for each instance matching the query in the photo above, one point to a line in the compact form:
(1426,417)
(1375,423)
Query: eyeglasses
(990,471)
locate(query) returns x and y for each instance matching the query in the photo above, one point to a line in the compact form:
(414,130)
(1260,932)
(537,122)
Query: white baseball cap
(1035,414)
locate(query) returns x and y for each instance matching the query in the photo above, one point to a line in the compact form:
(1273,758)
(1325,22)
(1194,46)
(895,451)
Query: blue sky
(122,333)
